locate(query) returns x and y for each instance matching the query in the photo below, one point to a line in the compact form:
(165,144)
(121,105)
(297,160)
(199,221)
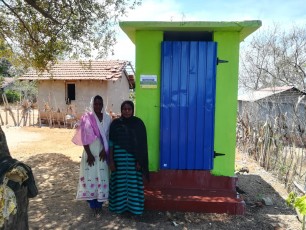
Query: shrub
(12,96)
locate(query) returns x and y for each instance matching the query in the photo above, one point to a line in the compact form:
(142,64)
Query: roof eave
(245,28)
(67,79)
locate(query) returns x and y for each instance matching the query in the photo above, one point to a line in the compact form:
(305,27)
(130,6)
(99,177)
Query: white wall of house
(54,93)
(117,92)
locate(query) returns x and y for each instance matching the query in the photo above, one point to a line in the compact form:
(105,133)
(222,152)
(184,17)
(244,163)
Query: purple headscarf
(89,128)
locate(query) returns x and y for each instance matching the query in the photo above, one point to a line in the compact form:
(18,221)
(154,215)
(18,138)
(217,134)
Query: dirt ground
(55,164)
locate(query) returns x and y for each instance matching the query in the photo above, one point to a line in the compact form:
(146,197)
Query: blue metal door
(188,85)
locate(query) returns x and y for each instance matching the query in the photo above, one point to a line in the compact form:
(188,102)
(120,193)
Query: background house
(268,104)
(67,86)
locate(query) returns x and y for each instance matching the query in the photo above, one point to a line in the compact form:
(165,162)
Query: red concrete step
(192,191)
(191,179)
(194,200)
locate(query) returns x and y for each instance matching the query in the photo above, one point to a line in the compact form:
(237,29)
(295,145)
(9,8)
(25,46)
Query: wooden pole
(8,108)
(12,115)
(25,119)
(38,117)
(20,121)
(2,123)
(30,114)
(5,108)
(33,116)
(50,119)
(18,115)
(6,118)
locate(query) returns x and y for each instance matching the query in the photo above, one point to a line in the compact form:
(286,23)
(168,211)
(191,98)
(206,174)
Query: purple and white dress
(93,180)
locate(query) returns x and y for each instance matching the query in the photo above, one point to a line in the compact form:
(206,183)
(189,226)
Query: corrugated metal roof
(263,93)
(80,70)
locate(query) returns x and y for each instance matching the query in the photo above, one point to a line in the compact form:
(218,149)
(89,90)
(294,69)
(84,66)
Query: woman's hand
(138,167)
(111,163)
(112,166)
(90,159)
(102,155)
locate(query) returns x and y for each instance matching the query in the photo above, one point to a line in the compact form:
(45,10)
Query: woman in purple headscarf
(92,133)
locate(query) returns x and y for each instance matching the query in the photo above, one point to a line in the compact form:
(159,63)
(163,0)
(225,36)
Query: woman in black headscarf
(128,161)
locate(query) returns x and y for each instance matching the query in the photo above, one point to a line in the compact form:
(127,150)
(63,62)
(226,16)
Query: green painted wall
(226,102)
(147,37)
(148,56)
(148,59)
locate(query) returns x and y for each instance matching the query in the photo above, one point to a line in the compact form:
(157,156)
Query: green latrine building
(186,93)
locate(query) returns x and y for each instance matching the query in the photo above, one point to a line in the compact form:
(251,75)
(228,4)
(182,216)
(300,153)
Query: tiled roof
(264,93)
(81,70)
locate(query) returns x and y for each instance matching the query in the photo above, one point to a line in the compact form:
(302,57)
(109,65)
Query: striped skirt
(126,184)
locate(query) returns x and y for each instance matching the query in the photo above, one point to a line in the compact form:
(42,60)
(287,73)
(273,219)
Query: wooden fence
(277,147)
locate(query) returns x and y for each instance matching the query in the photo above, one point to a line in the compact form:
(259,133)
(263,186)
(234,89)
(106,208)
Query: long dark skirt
(126,184)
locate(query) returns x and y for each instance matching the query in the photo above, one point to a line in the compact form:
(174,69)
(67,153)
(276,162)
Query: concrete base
(192,191)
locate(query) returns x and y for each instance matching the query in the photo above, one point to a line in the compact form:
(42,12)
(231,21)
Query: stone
(267,201)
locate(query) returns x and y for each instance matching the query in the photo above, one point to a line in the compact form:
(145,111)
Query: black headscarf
(130,134)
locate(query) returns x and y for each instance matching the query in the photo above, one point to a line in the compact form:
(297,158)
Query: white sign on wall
(148,81)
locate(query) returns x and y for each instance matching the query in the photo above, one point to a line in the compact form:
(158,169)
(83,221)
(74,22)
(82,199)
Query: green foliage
(291,199)
(299,203)
(38,32)
(12,96)
(28,89)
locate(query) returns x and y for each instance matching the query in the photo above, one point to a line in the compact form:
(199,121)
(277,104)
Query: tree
(38,32)
(274,57)
(272,127)
(4,67)
(26,89)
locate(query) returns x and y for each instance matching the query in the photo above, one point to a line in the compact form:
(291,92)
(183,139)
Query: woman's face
(127,111)
(98,105)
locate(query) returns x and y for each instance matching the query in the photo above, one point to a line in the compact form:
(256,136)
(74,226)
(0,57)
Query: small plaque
(148,81)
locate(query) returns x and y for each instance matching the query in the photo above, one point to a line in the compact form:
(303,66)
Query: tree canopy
(37,32)
(274,57)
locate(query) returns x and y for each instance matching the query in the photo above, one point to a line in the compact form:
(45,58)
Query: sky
(282,12)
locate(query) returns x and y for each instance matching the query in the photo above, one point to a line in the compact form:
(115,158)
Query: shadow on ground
(56,208)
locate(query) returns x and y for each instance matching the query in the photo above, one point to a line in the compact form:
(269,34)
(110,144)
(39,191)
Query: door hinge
(219,61)
(218,154)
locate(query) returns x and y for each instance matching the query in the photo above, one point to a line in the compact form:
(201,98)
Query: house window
(70,89)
